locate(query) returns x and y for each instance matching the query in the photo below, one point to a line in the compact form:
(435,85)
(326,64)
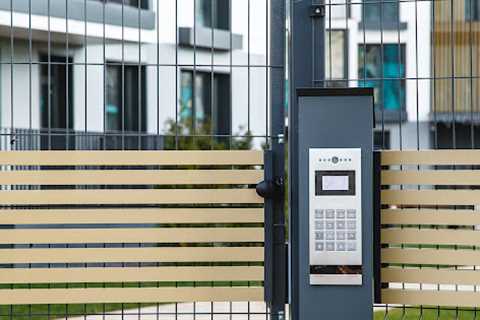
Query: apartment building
(103,66)
(384,45)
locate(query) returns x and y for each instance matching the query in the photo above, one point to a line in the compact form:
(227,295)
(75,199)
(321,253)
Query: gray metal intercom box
(331,194)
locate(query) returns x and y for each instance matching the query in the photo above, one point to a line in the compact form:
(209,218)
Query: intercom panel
(335,216)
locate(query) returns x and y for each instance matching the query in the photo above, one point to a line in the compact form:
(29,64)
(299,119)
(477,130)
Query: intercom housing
(331,203)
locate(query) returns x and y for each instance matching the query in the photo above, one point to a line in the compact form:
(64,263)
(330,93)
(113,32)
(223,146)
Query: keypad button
(319,214)
(319,246)
(351,225)
(341,246)
(351,214)
(352,246)
(352,235)
(330,235)
(330,246)
(340,214)
(340,225)
(330,213)
(319,235)
(330,225)
(340,235)
(319,225)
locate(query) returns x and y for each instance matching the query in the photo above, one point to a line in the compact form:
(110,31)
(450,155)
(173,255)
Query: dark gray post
(319,119)
(306,47)
(338,120)
(278,278)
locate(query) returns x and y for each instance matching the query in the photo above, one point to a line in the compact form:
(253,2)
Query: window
(132,3)
(372,14)
(385,72)
(56,103)
(213,14)
(472,10)
(381,140)
(125,115)
(337,63)
(203,110)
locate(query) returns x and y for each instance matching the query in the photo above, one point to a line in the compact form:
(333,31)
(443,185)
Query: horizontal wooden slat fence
(430,232)
(80,227)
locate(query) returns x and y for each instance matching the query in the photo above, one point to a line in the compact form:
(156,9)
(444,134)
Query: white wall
(157,114)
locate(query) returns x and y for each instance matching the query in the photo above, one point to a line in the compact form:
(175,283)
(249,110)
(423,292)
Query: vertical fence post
(306,69)
(277,127)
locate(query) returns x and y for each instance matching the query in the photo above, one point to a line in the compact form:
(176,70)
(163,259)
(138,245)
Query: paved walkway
(187,311)
(223,310)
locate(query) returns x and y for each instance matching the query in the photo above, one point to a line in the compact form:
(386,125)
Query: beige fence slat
(432,236)
(128,295)
(431,157)
(130,177)
(130,158)
(430,275)
(93,255)
(430,217)
(133,196)
(431,297)
(430,197)
(101,275)
(431,256)
(118,216)
(431,177)
(131,235)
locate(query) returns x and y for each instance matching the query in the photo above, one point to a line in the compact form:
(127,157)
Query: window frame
(382,114)
(387,23)
(141,116)
(221,21)
(213,105)
(472,10)
(332,82)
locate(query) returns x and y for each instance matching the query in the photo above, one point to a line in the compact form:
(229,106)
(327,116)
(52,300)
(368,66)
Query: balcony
(50,16)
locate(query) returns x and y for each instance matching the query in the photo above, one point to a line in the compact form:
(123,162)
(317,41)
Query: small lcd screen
(334,183)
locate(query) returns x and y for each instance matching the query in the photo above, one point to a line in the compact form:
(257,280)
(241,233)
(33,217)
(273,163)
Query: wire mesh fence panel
(136,75)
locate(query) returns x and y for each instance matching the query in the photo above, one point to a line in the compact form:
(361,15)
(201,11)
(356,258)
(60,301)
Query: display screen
(334,183)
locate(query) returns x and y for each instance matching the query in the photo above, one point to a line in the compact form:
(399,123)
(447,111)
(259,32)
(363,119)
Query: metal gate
(133,134)
(211,234)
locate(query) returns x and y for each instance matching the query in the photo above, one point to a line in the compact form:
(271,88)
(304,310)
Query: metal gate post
(277,129)
(306,69)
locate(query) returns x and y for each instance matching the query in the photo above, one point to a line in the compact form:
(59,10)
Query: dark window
(132,3)
(472,10)
(213,14)
(372,14)
(56,109)
(383,68)
(204,109)
(125,105)
(381,140)
(336,58)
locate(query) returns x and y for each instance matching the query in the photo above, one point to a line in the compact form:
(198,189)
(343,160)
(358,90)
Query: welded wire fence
(141,75)
(422,59)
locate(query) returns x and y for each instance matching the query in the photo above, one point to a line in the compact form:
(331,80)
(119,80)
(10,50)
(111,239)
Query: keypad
(336,230)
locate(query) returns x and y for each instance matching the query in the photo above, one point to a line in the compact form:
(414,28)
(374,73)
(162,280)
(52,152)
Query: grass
(45,312)
(430,314)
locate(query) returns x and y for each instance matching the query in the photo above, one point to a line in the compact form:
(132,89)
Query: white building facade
(198,64)
(386,46)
